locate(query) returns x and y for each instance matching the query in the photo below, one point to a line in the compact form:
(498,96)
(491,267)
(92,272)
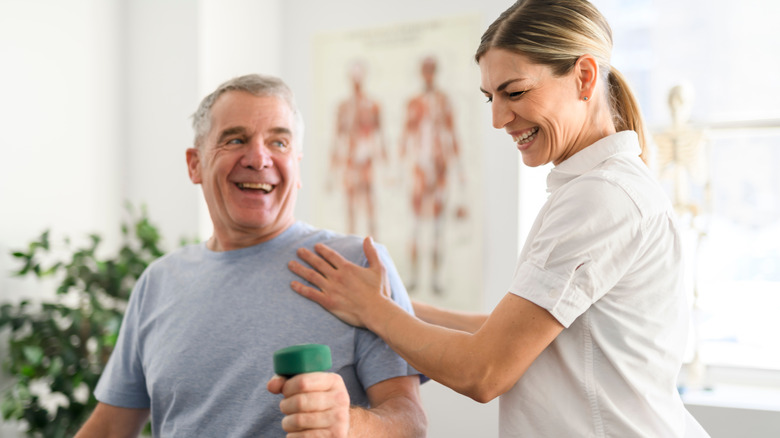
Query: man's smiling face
(249,167)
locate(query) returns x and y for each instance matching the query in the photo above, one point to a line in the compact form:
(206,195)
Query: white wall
(160,86)
(59,122)
(60,126)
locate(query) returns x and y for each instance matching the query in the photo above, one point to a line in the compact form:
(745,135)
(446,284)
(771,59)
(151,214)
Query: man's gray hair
(255,84)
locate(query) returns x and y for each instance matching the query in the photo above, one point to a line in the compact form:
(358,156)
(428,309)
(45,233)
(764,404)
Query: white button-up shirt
(604,258)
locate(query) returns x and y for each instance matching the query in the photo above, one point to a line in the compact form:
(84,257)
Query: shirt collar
(624,142)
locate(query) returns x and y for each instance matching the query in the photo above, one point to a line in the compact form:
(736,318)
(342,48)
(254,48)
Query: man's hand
(314,405)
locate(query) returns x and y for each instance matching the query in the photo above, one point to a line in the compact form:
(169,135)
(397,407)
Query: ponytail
(625,109)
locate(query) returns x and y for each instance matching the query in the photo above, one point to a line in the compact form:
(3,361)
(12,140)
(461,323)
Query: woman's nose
(501,114)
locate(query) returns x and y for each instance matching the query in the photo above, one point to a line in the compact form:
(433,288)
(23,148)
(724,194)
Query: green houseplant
(58,349)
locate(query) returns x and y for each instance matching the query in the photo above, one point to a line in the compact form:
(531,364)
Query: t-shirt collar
(624,142)
(283,239)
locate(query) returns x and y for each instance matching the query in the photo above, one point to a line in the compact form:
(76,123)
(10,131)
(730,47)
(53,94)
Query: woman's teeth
(527,137)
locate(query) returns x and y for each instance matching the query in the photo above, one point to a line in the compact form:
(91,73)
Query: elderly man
(196,344)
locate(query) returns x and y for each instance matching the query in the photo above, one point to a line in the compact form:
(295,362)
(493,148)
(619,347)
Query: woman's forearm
(457,320)
(481,365)
(448,356)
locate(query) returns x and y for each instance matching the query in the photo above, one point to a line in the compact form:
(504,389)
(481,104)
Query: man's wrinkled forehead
(233,114)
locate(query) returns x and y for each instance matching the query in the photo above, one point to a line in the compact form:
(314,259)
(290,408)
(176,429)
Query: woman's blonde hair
(556,33)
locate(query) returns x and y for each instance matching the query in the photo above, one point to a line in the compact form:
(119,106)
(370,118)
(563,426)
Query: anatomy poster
(397,151)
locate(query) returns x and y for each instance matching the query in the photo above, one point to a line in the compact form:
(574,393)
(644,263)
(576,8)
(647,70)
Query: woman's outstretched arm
(481,365)
(457,320)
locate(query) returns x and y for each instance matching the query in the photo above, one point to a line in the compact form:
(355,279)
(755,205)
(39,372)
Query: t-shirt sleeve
(122,382)
(376,360)
(587,240)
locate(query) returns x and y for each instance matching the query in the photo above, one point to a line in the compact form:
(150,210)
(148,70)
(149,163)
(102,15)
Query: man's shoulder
(192,253)
(348,245)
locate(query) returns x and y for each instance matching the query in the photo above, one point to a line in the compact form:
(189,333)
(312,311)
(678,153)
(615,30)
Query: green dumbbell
(304,358)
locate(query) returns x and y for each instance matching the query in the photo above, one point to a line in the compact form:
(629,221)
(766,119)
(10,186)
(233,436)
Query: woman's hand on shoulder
(345,289)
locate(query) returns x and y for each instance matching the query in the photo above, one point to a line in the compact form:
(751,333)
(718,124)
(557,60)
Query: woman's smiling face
(544,113)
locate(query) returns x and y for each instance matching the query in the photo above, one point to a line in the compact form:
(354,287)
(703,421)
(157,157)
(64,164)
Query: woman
(589,339)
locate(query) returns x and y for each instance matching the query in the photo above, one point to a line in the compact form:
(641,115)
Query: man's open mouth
(255,186)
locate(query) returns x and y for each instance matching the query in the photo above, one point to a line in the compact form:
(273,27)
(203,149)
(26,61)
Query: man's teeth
(256,186)
(528,136)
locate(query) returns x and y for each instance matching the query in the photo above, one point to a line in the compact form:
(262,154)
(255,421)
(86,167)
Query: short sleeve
(588,237)
(123,382)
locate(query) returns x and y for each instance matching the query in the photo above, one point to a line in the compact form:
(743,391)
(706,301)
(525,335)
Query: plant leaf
(33,354)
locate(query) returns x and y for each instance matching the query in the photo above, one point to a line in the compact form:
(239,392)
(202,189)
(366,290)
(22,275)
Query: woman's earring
(585,98)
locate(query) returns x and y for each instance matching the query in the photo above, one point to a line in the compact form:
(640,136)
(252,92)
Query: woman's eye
(235,141)
(516,94)
(489,99)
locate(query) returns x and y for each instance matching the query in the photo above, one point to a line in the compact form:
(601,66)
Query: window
(738,265)
(728,53)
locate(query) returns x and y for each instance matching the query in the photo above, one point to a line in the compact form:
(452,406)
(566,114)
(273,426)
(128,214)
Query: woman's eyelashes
(510,96)
(516,94)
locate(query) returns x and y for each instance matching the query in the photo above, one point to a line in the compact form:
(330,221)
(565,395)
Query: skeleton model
(682,164)
(682,156)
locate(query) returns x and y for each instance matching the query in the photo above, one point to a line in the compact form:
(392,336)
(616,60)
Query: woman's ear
(193,165)
(586,70)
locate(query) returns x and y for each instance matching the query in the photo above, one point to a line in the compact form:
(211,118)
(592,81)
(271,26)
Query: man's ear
(587,70)
(193,165)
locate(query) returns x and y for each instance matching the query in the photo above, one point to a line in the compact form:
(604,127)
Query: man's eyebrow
(502,86)
(236,130)
(281,130)
(228,132)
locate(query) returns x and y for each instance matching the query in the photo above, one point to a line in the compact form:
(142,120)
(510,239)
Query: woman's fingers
(311,293)
(344,288)
(375,264)
(333,258)
(317,262)
(370,251)
(307,274)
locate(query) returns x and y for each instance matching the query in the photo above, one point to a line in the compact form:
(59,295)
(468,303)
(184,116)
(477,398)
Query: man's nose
(257,155)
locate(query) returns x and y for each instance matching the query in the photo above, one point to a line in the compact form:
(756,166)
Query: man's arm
(396,410)
(109,421)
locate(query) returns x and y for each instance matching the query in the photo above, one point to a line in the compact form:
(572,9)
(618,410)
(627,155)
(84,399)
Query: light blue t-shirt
(199,333)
